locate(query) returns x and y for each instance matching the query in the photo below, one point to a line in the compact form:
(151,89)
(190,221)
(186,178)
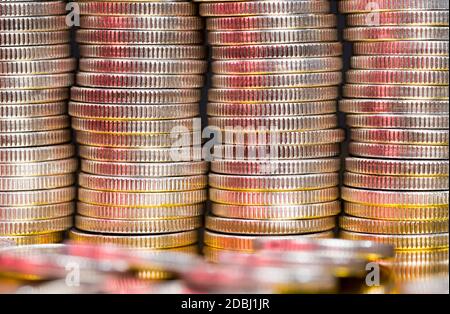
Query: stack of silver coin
(276,70)
(36,161)
(134,111)
(396,100)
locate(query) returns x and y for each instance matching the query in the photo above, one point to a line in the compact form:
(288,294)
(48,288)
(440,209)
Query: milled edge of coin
(36,154)
(400,151)
(138,66)
(392,62)
(141,22)
(33,96)
(396,213)
(277,124)
(34,38)
(143,51)
(137,213)
(38,197)
(52,137)
(44,238)
(275,167)
(132,111)
(36,182)
(277,80)
(397,167)
(284,152)
(272,22)
(126,8)
(271,36)
(42,168)
(115,226)
(142,184)
(35,52)
(252,136)
(413,17)
(35,124)
(36,81)
(398,77)
(262,8)
(275,227)
(279,183)
(394,5)
(33,110)
(16,9)
(401,121)
(387,33)
(402,136)
(33,23)
(369,106)
(134,96)
(273,198)
(363,225)
(438,48)
(395,183)
(156,241)
(295,50)
(395,198)
(139,154)
(127,199)
(247,242)
(33,227)
(275,109)
(402,242)
(308,211)
(154,169)
(395,91)
(39,212)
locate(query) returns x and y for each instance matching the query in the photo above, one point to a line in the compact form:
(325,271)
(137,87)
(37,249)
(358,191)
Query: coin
(295,50)
(37,212)
(277,80)
(40,8)
(33,124)
(35,154)
(395,198)
(384,5)
(141,199)
(277,167)
(137,169)
(400,62)
(136,226)
(273,198)
(142,184)
(395,91)
(142,51)
(45,238)
(36,81)
(406,77)
(435,18)
(138,213)
(280,183)
(398,151)
(395,183)
(34,227)
(399,136)
(36,183)
(308,211)
(396,213)
(34,138)
(438,48)
(388,33)
(272,22)
(34,38)
(142,22)
(394,106)
(271,36)
(132,112)
(34,52)
(392,227)
(38,197)
(402,242)
(268,227)
(157,241)
(33,110)
(403,121)
(33,96)
(263,8)
(19,168)
(126,8)
(397,167)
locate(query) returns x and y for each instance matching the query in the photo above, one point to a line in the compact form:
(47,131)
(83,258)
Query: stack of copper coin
(134,113)
(36,162)
(396,180)
(276,70)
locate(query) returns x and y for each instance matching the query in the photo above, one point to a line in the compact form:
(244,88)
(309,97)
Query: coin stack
(396,180)
(36,161)
(137,94)
(276,70)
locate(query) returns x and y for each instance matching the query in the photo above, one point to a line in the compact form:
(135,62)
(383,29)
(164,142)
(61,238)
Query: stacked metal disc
(276,67)
(36,161)
(396,180)
(134,109)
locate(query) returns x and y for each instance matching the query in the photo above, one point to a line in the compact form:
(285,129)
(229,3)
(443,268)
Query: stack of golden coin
(36,161)
(134,111)
(396,101)
(276,70)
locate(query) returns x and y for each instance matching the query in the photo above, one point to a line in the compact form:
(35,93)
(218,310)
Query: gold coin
(34,227)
